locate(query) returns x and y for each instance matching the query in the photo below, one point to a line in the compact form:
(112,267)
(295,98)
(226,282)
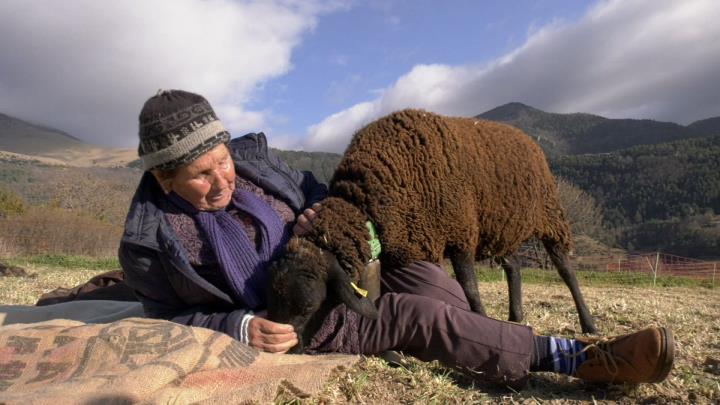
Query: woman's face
(207,183)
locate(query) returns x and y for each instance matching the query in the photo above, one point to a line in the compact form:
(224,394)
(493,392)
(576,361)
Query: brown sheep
(434,187)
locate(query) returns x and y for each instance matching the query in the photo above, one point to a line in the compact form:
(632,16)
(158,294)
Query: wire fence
(662,264)
(645,268)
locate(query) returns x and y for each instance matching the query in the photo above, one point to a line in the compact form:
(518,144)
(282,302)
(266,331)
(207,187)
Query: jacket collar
(144,216)
(146,226)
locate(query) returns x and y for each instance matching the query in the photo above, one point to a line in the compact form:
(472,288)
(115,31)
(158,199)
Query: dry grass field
(79,156)
(693,314)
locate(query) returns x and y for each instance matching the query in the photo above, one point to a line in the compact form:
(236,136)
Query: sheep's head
(297,284)
(339,228)
(305,280)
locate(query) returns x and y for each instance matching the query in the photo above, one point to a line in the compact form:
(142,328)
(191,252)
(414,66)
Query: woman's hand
(270,336)
(304,223)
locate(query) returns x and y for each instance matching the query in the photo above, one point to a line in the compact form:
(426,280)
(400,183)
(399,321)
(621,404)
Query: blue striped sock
(566,354)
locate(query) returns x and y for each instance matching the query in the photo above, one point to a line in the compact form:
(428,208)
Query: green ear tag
(375,247)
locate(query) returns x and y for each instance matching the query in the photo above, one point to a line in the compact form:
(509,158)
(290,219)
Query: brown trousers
(424,313)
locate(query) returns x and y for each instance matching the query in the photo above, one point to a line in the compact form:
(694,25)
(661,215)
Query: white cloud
(87,66)
(625,58)
(393,21)
(339,59)
(345,122)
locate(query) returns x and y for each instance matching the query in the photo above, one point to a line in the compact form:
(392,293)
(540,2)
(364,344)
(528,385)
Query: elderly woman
(211,213)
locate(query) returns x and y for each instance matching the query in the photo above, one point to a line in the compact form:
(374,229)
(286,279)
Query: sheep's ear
(340,282)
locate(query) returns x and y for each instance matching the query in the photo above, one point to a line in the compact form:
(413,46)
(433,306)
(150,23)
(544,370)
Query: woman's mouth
(218,197)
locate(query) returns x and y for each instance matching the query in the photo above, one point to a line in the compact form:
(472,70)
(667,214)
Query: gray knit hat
(176,127)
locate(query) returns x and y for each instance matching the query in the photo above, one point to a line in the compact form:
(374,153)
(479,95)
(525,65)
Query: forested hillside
(322,164)
(656,195)
(651,181)
(562,134)
(664,196)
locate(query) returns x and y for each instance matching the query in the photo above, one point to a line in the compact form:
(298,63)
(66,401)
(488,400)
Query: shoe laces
(603,352)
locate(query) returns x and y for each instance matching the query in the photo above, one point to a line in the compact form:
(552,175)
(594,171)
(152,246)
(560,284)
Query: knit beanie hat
(176,127)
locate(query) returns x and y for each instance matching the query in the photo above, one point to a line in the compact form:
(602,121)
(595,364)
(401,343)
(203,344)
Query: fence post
(714,269)
(652,269)
(495,264)
(655,271)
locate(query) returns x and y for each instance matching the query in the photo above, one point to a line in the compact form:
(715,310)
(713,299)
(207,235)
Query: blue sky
(309,73)
(353,53)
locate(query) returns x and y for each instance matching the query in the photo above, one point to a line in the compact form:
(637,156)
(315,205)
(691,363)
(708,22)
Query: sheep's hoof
(394,359)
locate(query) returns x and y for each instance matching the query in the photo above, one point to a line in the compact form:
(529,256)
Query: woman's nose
(219,181)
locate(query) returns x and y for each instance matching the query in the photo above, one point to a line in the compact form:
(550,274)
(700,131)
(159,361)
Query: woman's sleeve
(255,161)
(144,273)
(314,190)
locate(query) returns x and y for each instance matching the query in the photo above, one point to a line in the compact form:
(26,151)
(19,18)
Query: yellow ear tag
(359,290)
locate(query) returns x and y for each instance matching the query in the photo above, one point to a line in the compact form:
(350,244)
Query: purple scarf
(241,264)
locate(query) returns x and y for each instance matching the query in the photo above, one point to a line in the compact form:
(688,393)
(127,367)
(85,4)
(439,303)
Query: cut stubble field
(692,313)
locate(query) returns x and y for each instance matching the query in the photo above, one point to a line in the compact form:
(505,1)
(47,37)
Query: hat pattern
(177,127)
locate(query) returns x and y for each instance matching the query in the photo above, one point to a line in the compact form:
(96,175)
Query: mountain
(649,182)
(19,136)
(710,126)
(321,164)
(654,194)
(579,133)
(662,197)
(21,140)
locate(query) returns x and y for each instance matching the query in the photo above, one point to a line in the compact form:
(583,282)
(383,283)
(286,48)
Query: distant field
(690,311)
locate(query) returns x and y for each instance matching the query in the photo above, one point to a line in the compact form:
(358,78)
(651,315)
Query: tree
(10,203)
(581,209)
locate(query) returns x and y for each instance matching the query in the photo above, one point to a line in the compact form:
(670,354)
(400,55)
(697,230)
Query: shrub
(10,203)
(48,230)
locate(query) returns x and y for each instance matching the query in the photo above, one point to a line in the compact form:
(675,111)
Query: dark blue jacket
(155,263)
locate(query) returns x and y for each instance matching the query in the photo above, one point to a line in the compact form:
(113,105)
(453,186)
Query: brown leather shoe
(643,356)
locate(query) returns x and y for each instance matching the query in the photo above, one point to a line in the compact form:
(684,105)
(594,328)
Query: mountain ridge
(559,134)
(581,133)
(29,141)
(41,137)
(662,195)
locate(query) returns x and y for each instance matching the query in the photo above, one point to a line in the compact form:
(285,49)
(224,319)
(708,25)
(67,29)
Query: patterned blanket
(139,360)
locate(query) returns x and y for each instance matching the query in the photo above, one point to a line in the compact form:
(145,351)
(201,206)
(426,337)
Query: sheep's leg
(464,266)
(560,260)
(511,265)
